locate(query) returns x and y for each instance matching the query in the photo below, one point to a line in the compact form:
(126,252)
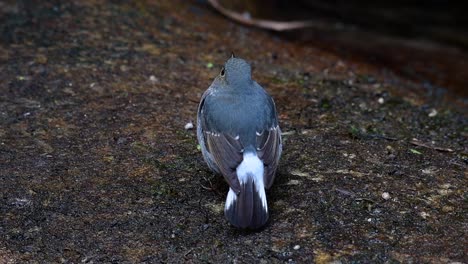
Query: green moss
(161,190)
(325,104)
(414,151)
(354,131)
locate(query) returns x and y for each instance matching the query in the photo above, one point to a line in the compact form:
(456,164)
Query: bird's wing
(223,150)
(269,147)
(227,154)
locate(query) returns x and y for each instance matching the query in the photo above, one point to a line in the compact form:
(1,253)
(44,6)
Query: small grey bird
(239,135)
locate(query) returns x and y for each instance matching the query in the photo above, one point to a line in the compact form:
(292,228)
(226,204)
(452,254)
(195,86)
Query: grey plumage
(237,128)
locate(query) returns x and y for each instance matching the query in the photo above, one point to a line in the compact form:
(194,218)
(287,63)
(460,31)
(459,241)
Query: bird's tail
(249,208)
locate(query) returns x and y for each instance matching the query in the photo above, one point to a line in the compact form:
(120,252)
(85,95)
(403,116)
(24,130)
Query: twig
(211,186)
(206,188)
(364,199)
(383,137)
(457,163)
(418,143)
(197,101)
(345,192)
(188,252)
(262,23)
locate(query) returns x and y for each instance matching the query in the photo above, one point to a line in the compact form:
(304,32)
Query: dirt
(96,166)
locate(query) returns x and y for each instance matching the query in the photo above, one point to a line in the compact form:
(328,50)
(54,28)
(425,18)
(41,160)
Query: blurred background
(424,41)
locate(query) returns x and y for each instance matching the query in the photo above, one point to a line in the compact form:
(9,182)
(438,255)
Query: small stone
(123,68)
(386,195)
(381,100)
(390,149)
(447,209)
(424,215)
(188,126)
(297,247)
(153,79)
(428,171)
(293,182)
(432,113)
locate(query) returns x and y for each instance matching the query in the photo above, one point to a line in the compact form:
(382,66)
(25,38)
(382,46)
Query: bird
(240,138)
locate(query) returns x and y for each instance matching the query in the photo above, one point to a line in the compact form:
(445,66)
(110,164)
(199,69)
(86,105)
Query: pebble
(188,126)
(20,202)
(381,100)
(432,113)
(447,209)
(424,215)
(297,247)
(385,195)
(153,79)
(293,182)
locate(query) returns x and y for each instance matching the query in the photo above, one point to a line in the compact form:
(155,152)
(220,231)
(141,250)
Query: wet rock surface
(96,164)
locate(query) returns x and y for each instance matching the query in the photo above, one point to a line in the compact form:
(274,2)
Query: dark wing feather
(227,154)
(269,151)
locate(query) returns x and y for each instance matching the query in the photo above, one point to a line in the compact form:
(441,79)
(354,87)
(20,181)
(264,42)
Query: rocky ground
(96,166)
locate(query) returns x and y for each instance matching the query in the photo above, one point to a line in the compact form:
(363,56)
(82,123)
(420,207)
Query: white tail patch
(231,198)
(252,165)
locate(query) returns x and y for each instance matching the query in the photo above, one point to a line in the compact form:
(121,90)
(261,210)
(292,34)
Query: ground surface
(96,166)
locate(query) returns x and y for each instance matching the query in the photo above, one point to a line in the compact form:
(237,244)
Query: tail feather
(248,209)
(260,208)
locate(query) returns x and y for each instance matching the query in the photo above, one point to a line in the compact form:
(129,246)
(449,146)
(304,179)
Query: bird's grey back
(240,112)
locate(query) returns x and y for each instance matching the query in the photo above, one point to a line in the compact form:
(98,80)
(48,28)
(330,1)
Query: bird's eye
(222,72)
